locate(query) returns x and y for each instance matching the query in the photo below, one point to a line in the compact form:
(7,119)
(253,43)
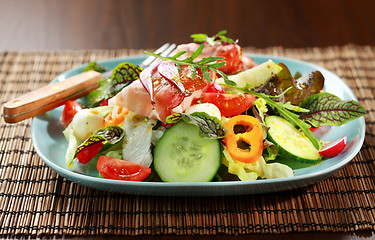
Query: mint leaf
(210,127)
(111,134)
(328,109)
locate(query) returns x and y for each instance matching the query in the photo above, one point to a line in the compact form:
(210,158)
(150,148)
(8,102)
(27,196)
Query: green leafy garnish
(328,109)
(111,134)
(122,75)
(210,127)
(95,67)
(217,38)
(205,64)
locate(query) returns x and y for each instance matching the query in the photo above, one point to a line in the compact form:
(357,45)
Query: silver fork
(54,95)
(165,50)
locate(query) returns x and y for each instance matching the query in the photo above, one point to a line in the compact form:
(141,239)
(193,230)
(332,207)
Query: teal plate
(50,144)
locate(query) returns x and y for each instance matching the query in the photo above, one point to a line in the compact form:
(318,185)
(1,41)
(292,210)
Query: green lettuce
(258,169)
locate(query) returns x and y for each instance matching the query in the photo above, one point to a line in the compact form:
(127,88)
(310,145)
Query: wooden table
(141,24)
(146,24)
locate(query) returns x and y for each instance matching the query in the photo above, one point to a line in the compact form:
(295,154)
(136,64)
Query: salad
(207,113)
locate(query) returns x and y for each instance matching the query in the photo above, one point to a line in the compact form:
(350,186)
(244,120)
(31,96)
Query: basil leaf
(210,127)
(328,109)
(111,134)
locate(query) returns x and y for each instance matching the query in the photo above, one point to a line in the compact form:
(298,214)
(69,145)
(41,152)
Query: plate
(50,144)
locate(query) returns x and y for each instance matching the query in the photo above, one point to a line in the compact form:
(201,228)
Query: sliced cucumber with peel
(181,155)
(292,143)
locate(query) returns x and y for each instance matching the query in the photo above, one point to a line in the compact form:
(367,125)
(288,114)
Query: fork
(54,95)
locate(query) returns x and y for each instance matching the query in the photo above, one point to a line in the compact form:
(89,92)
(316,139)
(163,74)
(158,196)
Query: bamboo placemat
(34,200)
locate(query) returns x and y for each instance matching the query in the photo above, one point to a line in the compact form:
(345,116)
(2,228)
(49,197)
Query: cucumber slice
(293,145)
(181,155)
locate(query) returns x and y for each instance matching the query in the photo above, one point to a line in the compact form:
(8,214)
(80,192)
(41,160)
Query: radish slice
(146,80)
(333,148)
(170,72)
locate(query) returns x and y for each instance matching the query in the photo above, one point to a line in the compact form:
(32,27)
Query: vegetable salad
(207,113)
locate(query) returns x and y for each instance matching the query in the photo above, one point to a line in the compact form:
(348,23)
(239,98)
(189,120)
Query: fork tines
(165,50)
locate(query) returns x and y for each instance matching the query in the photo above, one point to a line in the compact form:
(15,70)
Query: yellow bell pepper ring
(244,128)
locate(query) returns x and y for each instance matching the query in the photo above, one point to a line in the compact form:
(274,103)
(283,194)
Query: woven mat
(34,200)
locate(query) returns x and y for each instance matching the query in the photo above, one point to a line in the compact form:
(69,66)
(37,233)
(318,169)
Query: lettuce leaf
(73,143)
(290,89)
(253,171)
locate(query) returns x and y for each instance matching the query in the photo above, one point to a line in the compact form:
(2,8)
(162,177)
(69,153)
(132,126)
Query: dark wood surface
(139,24)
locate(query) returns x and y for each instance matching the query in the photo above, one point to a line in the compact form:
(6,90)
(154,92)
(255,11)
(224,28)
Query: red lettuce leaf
(298,88)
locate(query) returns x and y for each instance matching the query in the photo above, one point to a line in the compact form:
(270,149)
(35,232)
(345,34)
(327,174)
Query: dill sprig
(206,64)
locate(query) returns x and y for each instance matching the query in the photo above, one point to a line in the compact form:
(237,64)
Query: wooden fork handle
(50,96)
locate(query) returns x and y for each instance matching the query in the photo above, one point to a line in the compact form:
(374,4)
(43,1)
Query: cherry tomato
(215,88)
(229,104)
(70,109)
(114,168)
(88,153)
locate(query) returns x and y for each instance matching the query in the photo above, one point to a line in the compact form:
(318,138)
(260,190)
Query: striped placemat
(34,200)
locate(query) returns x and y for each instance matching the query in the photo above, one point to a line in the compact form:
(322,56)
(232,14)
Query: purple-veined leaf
(210,127)
(328,109)
(111,134)
(122,75)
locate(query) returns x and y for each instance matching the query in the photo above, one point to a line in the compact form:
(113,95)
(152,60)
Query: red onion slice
(146,80)
(170,72)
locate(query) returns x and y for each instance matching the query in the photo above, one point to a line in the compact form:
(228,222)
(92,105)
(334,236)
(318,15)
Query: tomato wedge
(215,88)
(229,104)
(114,168)
(70,109)
(88,153)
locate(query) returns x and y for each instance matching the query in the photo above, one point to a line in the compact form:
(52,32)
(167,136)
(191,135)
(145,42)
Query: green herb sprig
(206,64)
(217,38)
